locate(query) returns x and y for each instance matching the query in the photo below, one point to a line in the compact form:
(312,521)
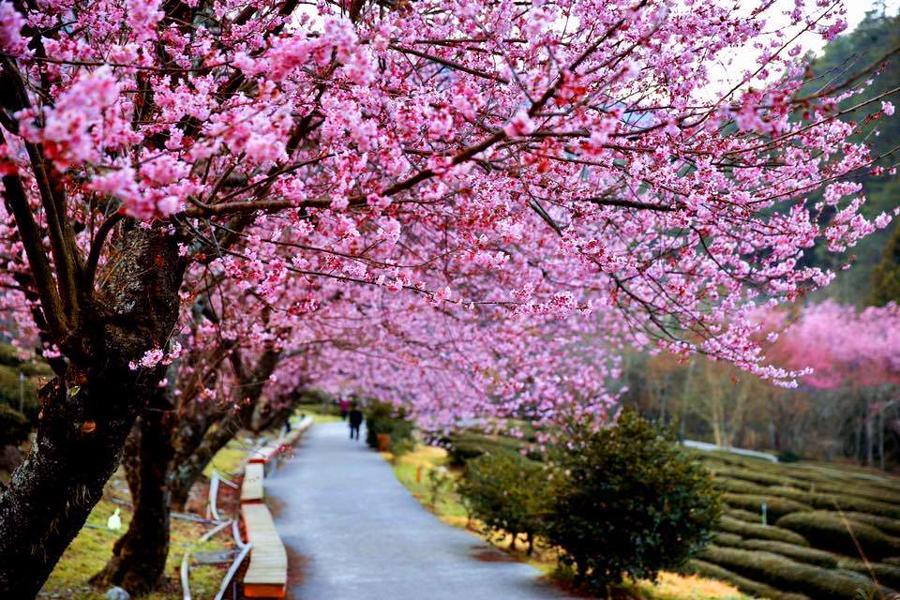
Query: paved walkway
(355,533)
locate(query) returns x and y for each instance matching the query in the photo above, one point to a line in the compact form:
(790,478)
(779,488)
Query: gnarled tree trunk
(139,556)
(88,410)
(198,442)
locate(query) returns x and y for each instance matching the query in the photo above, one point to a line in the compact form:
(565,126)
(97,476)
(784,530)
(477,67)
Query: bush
(849,503)
(886,525)
(744,515)
(737,486)
(789,456)
(861,491)
(382,417)
(750,475)
(848,500)
(14,427)
(785,574)
(827,530)
(761,590)
(508,492)
(775,507)
(631,503)
(885,574)
(764,532)
(787,491)
(811,556)
(727,539)
(466,446)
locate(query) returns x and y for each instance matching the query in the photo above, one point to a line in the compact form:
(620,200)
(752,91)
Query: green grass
(90,550)
(320,413)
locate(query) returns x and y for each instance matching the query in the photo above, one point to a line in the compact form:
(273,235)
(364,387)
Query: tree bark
(139,556)
(199,441)
(88,410)
(188,469)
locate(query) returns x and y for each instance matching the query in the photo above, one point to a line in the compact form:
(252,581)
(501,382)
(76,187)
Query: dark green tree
(509,493)
(886,276)
(867,54)
(629,503)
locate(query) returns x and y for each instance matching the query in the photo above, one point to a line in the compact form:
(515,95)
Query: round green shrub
(791,576)
(631,503)
(811,556)
(508,492)
(775,507)
(764,532)
(828,531)
(382,417)
(789,456)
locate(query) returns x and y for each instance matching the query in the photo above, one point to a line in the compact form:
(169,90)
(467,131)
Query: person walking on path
(356,419)
(344,405)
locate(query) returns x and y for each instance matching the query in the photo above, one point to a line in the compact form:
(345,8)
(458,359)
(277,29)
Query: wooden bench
(266,575)
(252,486)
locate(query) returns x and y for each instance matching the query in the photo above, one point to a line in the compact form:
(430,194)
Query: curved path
(354,533)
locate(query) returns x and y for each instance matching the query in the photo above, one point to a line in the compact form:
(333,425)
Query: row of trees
(442,203)
(846,405)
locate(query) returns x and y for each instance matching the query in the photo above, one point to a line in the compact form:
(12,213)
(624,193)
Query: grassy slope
(450,509)
(93,546)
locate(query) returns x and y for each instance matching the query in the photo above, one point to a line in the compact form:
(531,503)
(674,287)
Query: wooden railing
(266,575)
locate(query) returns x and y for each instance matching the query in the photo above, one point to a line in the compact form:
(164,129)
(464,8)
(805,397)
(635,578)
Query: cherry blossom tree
(500,176)
(850,351)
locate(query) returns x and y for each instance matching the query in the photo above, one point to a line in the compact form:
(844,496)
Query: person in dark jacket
(356,419)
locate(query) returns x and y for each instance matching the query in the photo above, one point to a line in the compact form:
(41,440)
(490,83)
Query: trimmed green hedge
(739,487)
(788,575)
(859,490)
(764,532)
(828,531)
(846,502)
(886,574)
(811,556)
(467,446)
(776,507)
(727,539)
(754,588)
(751,475)
(885,524)
(754,518)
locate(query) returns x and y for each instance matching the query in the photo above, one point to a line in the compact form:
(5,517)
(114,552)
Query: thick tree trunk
(188,469)
(88,411)
(139,556)
(199,441)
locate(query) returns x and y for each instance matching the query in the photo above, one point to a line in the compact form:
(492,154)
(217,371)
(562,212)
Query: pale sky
(745,60)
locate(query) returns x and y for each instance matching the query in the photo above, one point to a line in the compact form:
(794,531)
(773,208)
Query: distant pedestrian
(356,419)
(344,405)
